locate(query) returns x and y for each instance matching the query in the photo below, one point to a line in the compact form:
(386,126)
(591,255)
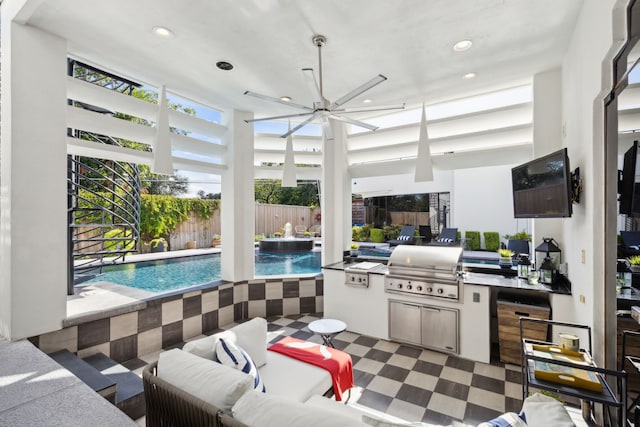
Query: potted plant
(634,263)
(215,241)
(505,260)
(158,244)
(354,249)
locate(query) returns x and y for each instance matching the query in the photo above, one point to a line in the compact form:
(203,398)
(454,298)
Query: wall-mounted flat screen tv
(628,188)
(542,187)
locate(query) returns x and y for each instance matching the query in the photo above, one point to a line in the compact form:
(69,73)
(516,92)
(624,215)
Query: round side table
(327,329)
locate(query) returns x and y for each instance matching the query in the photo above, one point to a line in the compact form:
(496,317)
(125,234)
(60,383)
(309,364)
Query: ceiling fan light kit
(322,109)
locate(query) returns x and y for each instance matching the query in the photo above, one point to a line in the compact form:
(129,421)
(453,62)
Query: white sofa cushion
(257,409)
(541,411)
(288,377)
(235,357)
(251,336)
(210,381)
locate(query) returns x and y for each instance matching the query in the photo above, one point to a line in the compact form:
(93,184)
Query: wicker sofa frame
(169,406)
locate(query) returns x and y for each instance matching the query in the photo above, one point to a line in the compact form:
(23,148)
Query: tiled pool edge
(171,319)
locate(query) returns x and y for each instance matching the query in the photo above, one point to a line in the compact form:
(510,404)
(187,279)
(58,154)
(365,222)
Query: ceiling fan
(322,109)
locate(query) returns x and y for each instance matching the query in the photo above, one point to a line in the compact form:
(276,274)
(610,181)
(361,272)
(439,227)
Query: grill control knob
(359,279)
(429,289)
(353,278)
(440,290)
(409,286)
(399,285)
(419,288)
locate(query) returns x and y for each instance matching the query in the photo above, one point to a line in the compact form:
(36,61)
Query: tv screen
(542,187)
(628,188)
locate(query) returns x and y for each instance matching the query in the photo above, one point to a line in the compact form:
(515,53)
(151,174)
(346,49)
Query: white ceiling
(269,42)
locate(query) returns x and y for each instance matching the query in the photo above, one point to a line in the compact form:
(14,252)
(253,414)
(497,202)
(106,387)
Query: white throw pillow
(251,336)
(235,357)
(205,379)
(543,411)
(257,409)
(508,419)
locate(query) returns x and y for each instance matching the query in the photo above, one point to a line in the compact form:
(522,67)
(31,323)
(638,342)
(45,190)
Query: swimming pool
(176,273)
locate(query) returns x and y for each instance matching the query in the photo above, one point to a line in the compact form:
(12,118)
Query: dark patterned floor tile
(361,378)
(459,363)
(513,376)
(379,355)
(437,418)
(512,405)
(394,372)
(415,395)
(428,368)
(297,325)
(450,388)
(375,400)
(489,384)
(302,335)
(405,350)
(366,341)
(134,364)
(475,414)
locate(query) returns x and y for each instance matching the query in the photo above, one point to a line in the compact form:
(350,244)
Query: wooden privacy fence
(272,218)
(268,220)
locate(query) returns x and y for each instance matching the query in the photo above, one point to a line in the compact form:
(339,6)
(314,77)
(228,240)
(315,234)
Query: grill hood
(409,259)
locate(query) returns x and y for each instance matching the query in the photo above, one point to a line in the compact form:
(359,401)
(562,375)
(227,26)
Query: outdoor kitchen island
(362,295)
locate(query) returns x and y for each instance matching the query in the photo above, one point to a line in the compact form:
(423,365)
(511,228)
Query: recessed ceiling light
(162,31)
(367,101)
(469,76)
(462,45)
(224,65)
(285,98)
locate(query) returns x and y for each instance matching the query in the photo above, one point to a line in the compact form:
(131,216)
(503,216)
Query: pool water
(170,274)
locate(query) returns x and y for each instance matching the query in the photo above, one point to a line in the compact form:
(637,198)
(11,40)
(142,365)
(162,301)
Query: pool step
(129,391)
(104,386)
(108,378)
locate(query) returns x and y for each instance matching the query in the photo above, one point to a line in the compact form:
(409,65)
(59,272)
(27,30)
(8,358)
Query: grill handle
(521,313)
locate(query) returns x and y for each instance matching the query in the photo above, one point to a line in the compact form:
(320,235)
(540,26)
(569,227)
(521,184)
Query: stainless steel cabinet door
(440,328)
(404,322)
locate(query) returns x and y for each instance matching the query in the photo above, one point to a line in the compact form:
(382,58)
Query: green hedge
(473,240)
(376,235)
(491,240)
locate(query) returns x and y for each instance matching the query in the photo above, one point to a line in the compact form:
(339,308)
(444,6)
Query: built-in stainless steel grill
(433,271)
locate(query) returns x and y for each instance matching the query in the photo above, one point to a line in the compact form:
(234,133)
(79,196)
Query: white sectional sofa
(188,387)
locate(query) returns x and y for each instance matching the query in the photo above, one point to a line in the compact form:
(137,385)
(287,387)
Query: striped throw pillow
(229,354)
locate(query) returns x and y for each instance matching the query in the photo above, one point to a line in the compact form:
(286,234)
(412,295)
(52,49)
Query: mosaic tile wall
(170,320)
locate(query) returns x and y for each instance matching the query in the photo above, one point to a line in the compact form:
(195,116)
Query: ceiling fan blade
(354,122)
(326,128)
(310,77)
(358,91)
(286,116)
(372,108)
(279,101)
(300,126)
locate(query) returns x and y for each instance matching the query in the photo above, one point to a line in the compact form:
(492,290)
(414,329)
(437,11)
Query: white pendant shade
(289,173)
(424,166)
(162,159)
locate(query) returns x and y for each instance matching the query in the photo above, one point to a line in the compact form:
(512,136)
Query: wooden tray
(565,375)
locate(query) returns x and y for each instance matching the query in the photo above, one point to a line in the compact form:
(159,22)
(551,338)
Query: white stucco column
(335,197)
(33,188)
(547,138)
(238,206)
